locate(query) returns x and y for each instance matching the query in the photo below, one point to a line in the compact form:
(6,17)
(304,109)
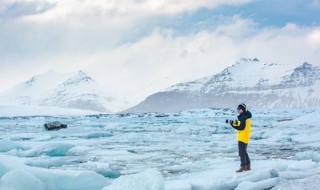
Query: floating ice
(183,130)
(310,183)
(101,168)
(305,120)
(260,185)
(50,149)
(193,150)
(3,170)
(7,145)
(150,179)
(177,185)
(55,179)
(95,135)
(20,180)
(308,155)
(79,150)
(295,174)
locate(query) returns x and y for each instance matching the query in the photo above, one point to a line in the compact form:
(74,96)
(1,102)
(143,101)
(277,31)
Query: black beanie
(243,107)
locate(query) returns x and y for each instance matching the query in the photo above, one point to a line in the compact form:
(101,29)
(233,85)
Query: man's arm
(239,125)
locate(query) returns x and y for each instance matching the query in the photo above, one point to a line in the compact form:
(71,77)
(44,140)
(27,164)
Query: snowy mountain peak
(305,66)
(82,74)
(305,74)
(31,81)
(259,84)
(77,91)
(246,73)
(80,77)
(248,60)
(51,75)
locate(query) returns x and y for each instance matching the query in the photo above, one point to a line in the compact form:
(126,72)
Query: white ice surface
(6,145)
(194,150)
(177,185)
(20,180)
(50,178)
(148,180)
(260,185)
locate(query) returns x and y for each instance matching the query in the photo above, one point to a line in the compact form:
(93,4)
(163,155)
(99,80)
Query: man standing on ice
(243,128)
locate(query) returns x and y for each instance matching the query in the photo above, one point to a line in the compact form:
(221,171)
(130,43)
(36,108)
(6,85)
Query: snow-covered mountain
(34,90)
(77,91)
(258,84)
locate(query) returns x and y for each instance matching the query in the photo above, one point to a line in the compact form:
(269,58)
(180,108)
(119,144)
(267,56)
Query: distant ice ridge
(52,89)
(26,111)
(258,84)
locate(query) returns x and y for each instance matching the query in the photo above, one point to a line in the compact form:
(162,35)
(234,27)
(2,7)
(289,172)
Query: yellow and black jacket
(243,127)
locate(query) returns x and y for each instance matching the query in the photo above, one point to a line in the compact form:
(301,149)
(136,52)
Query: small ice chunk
(312,182)
(260,185)
(253,177)
(95,135)
(183,130)
(150,179)
(20,180)
(7,145)
(79,150)
(49,149)
(53,178)
(101,168)
(295,174)
(177,185)
(308,155)
(2,170)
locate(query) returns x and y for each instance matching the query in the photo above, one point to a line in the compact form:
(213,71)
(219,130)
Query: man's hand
(231,122)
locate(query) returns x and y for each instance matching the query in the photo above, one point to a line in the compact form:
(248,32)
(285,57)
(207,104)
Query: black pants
(245,160)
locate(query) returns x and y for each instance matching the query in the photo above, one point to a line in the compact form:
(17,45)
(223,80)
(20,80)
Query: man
(243,128)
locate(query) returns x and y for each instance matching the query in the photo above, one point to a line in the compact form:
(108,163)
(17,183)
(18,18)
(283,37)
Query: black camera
(231,121)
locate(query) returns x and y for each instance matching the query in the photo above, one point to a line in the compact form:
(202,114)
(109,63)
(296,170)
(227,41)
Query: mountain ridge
(260,85)
(76,91)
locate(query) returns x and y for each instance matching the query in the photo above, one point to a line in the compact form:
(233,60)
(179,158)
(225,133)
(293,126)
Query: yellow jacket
(243,127)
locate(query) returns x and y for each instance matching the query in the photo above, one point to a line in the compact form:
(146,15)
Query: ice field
(191,150)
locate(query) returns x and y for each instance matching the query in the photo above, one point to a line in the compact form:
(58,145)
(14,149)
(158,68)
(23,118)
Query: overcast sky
(146,45)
